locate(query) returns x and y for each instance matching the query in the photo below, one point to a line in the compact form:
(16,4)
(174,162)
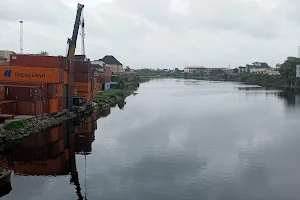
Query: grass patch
(111,94)
(16,125)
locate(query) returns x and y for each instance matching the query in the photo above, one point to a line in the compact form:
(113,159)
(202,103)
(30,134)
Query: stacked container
(83,79)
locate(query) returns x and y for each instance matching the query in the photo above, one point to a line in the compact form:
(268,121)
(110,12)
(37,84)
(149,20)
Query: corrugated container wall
(23,93)
(38,61)
(8,107)
(82,77)
(82,67)
(2,92)
(30,108)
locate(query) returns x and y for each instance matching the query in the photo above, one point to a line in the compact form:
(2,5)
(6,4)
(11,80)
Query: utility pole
(21,37)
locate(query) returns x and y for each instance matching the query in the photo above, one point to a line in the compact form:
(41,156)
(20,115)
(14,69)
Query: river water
(175,139)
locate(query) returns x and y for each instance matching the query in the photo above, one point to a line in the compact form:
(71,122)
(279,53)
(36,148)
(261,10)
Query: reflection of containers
(8,107)
(82,77)
(23,93)
(38,61)
(30,107)
(57,148)
(31,74)
(83,86)
(53,105)
(84,129)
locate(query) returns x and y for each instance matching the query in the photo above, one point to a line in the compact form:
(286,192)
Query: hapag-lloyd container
(31,74)
(8,107)
(30,107)
(82,77)
(23,93)
(38,61)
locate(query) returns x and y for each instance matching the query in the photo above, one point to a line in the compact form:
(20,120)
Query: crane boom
(73,40)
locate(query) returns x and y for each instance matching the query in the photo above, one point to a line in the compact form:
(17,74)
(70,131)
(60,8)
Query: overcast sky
(159,33)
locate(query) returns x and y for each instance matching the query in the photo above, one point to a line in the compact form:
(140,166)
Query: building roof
(96,66)
(80,58)
(111,60)
(195,67)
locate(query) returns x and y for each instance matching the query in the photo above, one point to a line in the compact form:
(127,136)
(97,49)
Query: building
(242,69)
(194,69)
(100,66)
(5,56)
(114,65)
(297,70)
(267,71)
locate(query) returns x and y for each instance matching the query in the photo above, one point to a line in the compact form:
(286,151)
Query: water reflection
(52,152)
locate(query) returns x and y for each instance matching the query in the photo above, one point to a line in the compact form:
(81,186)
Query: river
(174,140)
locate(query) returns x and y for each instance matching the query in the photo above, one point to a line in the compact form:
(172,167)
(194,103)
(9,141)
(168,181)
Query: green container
(93,84)
(65,90)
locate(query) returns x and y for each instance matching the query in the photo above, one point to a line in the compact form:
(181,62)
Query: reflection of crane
(73,40)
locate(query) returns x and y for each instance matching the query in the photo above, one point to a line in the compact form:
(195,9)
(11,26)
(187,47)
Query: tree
(288,69)
(44,53)
(127,69)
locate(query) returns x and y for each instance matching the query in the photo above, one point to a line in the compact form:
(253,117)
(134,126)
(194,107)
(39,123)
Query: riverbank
(18,130)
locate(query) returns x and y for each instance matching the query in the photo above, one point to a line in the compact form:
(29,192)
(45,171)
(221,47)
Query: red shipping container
(52,90)
(23,93)
(45,105)
(71,67)
(82,67)
(8,107)
(43,86)
(60,103)
(61,76)
(65,102)
(100,78)
(39,61)
(30,108)
(82,77)
(70,91)
(71,79)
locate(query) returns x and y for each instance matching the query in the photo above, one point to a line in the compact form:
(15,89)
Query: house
(194,69)
(242,69)
(100,66)
(114,65)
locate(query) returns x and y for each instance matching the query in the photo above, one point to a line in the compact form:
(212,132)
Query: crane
(72,41)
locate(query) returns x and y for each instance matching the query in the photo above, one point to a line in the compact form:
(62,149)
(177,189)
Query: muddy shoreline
(44,122)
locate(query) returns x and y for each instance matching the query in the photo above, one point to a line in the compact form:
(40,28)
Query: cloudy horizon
(159,33)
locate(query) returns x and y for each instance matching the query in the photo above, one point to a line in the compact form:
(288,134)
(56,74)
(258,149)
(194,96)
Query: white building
(194,69)
(268,71)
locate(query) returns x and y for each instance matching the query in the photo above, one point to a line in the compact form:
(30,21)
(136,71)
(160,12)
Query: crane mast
(73,40)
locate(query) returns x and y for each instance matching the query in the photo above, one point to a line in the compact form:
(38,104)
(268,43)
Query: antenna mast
(21,37)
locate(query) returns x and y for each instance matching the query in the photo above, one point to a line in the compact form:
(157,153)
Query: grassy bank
(112,96)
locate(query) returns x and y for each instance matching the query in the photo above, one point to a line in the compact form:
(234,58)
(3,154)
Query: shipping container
(70,91)
(8,107)
(65,103)
(66,77)
(52,91)
(94,94)
(45,105)
(2,92)
(57,148)
(82,77)
(65,90)
(38,61)
(84,129)
(93,84)
(70,102)
(23,93)
(42,86)
(86,95)
(82,67)
(30,74)
(71,79)
(53,105)
(30,108)
(60,90)
(60,103)
(83,86)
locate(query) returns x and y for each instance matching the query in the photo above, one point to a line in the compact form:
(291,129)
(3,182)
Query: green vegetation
(110,94)
(288,70)
(16,125)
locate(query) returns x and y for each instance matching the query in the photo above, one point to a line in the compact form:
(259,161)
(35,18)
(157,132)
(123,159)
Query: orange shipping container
(53,105)
(95,84)
(82,86)
(31,74)
(86,95)
(2,92)
(66,77)
(60,89)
